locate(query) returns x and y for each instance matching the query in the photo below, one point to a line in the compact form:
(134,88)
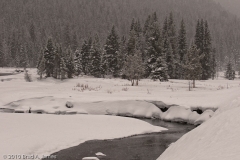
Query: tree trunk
(137,82)
(194,84)
(189,84)
(132,82)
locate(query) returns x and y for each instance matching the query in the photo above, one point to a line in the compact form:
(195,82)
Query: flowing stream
(140,147)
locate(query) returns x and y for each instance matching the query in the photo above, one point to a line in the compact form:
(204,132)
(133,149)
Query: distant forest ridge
(28,24)
(231,5)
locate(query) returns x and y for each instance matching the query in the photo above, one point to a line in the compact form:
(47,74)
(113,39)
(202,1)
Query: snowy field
(99,97)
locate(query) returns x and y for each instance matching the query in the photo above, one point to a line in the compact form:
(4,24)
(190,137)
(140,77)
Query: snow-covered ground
(34,134)
(106,96)
(218,138)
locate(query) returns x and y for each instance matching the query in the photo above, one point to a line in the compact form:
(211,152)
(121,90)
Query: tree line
(151,50)
(26,25)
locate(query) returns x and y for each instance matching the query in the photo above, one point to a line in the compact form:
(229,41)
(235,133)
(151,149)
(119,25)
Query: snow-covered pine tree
(203,43)
(49,57)
(67,37)
(57,60)
(159,70)
(182,48)
(153,44)
(74,44)
(230,73)
(96,58)
(1,55)
(23,58)
(78,62)
(193,68)
(70,63)
(131,45)
(86,52)
(111,51)
(134,68)
(41,66)
(213,64)
(207,51)
(173,42)
(63,66)
(122,54)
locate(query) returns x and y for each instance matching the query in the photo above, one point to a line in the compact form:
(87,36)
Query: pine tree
(160,69)
(193,68)
(111,48)
(41,66)
(230,73)
(96,58)
(78,62)
(207,51)
(67,38)
(134,68)
(49,57)
(63,66)
(32,32)
(23,58)
(57,61)
(1,55)
(74,45)
(213,63)
(153,45)
(85,57)
(175,73)
(203,43)
(131,45)
(182,48)
(122,55)
(70,63)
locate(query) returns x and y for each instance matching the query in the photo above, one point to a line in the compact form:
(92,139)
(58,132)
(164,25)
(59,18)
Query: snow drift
(218,138)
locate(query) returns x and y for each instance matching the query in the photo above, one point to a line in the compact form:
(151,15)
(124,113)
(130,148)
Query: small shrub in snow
(148,92)
(109,91)
(125,89)
(83,87)
(27,77)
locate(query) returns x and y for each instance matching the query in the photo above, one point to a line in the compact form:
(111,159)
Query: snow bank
(218,138)
(44,134)
(128,108)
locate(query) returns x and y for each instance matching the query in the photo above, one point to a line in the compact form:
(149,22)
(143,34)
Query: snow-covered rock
(90,158)
(99,154)
(69,104)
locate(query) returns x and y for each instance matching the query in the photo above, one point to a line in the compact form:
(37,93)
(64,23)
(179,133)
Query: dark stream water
(6,74)
(140,147)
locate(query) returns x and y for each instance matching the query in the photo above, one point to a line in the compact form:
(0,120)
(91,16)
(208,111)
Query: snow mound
(45,134)
(100,154)
(176,114)
(90,158)
(218,138)
(204,117)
